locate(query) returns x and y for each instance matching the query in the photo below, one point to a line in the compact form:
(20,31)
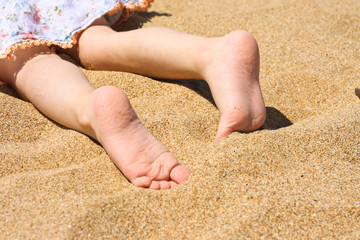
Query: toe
(223,132)
(173,184)
(165,185)
(179,174)
(238,119)
(155,185)
(144,182)
(233,120)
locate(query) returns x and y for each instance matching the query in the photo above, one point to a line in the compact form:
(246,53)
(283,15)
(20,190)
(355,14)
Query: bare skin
(60,90)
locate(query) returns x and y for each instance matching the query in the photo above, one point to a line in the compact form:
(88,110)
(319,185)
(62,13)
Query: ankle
(205,56)
(85,116)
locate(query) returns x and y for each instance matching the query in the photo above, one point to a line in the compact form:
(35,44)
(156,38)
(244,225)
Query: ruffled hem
(127,10)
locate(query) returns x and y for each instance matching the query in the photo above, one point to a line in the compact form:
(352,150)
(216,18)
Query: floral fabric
(34,22)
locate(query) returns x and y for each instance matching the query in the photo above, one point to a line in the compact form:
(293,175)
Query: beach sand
(297,177)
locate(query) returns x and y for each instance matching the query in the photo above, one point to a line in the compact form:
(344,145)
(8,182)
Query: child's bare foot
(138,154)
(233,77)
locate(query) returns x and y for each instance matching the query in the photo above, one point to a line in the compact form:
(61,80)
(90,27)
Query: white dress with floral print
(24,23)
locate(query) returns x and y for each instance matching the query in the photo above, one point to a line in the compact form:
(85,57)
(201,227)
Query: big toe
(179,174)
(230,122)
(239,120)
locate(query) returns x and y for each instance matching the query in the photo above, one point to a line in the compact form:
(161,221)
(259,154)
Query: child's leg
(61,91)
(229,64)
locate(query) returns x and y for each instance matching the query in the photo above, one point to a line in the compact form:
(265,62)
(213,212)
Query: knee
(93,50)
(88,57)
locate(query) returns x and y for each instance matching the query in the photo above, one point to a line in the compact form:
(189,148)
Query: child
(34,31)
